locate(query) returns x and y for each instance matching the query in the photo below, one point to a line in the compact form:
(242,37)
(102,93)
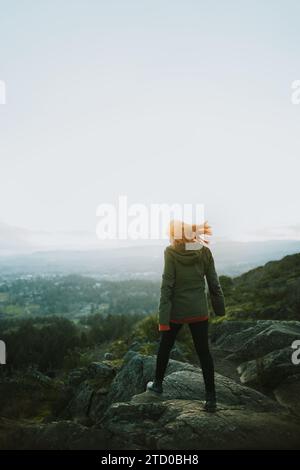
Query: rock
(129,355)
(61,435)
(98,404)
(183,425)
(182,381)
(258,339)
(135,346)
(76,376)
(288,393)
(124,416)
(100,370)
(232,342)
(144,347)
(220,331)
(89,397)
(136,371)
(189,385)
(39,377)
(177,354)
(95,370)
(108,356)
(269,370)
(79,406)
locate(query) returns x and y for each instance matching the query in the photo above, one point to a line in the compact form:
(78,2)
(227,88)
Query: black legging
(199,332)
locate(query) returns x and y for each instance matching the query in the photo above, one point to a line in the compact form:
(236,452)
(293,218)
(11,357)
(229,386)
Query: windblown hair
(180,232)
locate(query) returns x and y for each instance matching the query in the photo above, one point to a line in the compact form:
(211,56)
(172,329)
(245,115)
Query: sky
(162,101)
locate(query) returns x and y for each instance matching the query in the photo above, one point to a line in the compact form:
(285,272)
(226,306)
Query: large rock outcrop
(250,340)
(270,370)
(182,425)
(112,410)
(90,388)
(182,381)
(262,352)
(246,419)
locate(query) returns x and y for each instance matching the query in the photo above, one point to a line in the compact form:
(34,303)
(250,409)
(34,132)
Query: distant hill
(232,258)
(270,291)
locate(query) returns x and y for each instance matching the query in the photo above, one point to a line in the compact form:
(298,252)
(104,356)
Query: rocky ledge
(110,409)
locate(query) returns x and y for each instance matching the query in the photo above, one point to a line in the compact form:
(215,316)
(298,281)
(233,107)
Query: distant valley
(141,262)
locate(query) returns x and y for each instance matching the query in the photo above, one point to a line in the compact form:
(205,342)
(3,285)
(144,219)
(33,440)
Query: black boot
(210,404)
(155,387)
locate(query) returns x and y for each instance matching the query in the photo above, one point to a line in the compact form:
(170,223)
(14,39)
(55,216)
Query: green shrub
(147,329)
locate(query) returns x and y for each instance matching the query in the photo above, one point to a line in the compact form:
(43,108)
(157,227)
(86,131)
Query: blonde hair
(181,232)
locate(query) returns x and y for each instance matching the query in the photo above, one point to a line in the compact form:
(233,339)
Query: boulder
(177,353)
(258,338)
(136,371)
(268,371)
(288,393)
(100,370)
(79,406)
(88,399)
(38,377)
(220,331)
(135,346)
(182,381)
(246,419)
(108,356)
(126,417)
(76,376)
(183,425)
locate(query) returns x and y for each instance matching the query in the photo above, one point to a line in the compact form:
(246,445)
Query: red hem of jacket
(190,319)
(162,327)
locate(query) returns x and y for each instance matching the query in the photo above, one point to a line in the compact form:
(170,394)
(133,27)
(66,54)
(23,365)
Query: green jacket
(183,292)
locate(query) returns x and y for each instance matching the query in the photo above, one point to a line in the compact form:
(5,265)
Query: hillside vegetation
(271,291)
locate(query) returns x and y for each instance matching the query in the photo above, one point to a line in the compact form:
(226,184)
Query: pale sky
(160,100)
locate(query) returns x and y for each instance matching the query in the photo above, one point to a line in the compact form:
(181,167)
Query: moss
(148,349)
(218,320)
(118,348)
(116,363)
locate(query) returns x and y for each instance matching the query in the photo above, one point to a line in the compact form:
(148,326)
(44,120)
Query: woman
(183,300)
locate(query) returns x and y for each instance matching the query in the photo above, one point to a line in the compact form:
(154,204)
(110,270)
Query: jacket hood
(184,256)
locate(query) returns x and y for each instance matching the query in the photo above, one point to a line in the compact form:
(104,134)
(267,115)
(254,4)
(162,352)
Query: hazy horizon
(18,241)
